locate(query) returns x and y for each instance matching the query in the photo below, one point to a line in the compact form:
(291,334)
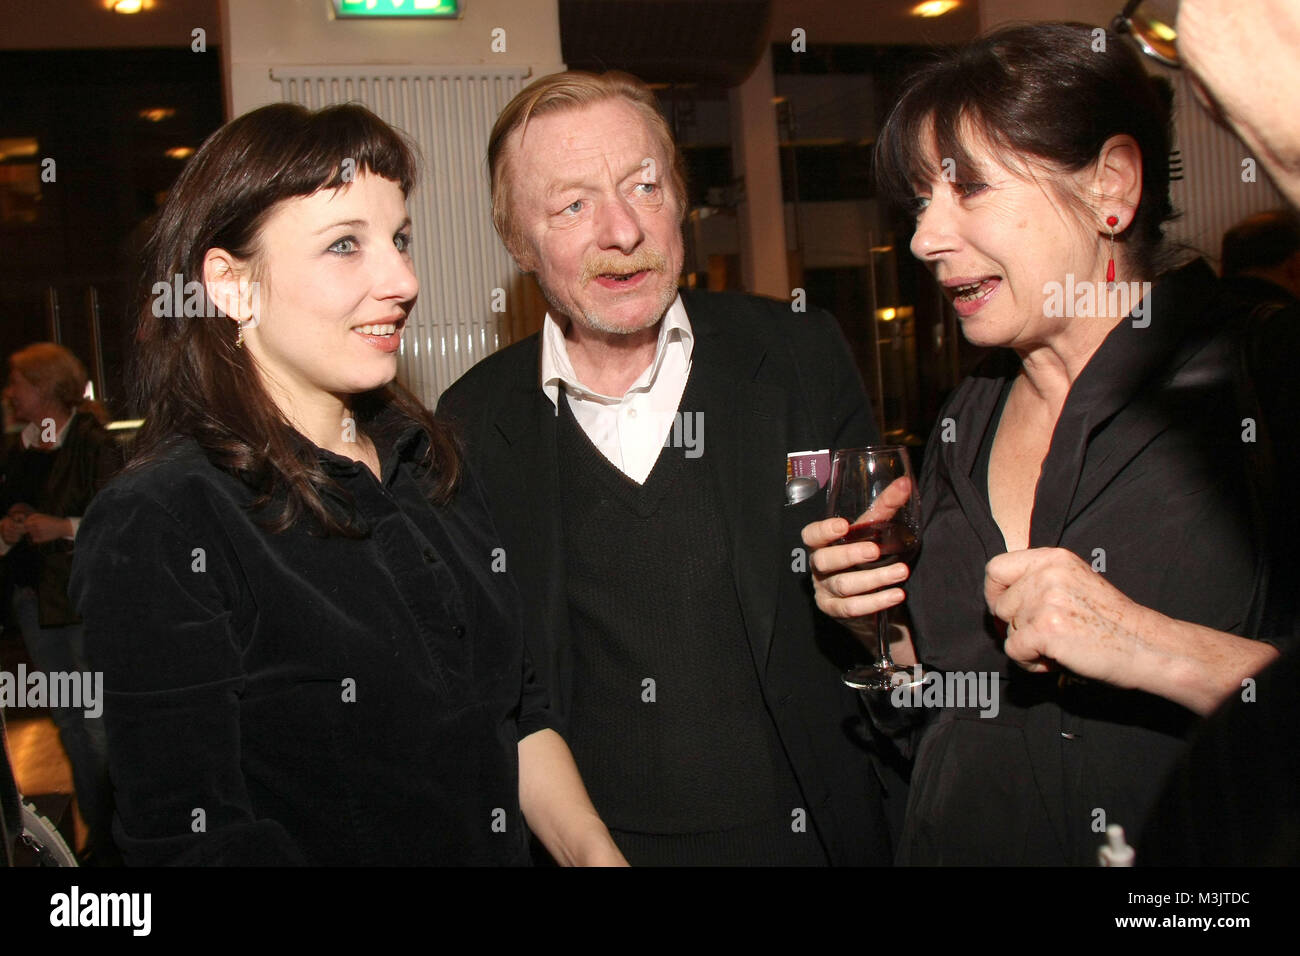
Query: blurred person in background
(1263,253)
(1261,274)
(52,470)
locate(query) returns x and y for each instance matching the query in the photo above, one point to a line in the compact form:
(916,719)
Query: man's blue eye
(403,241)
(574,207)
(648,189)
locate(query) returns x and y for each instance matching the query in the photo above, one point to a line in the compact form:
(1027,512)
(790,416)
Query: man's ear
(1117,179)
(225,280)
(519,248)
(522,253)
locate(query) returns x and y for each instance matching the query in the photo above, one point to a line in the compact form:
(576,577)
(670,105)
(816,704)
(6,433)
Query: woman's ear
(1117,179)
(226,282)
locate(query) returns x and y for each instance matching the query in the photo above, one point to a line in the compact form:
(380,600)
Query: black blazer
(772,381)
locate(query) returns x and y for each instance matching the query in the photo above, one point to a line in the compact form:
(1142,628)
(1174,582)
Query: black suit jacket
(772,381)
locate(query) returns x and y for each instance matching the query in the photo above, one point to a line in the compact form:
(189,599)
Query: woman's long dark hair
(189,378)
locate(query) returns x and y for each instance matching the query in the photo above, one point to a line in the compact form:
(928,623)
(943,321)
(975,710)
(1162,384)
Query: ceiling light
(934,8)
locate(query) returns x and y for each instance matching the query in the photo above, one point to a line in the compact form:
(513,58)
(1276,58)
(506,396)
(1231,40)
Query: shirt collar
(557,370)
(31,434)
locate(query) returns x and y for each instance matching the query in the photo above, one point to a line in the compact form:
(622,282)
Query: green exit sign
(397,8)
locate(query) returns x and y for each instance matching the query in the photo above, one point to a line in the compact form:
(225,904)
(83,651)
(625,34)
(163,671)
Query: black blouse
(295,698)
(1147,476)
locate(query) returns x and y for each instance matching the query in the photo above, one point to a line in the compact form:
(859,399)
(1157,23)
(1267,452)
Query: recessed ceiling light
(128,6)
(934,8)
(180,152)
(157,114)
(12,149)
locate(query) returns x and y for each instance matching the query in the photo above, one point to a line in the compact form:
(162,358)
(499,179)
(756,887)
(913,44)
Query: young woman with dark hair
(309,655)
(1089,483)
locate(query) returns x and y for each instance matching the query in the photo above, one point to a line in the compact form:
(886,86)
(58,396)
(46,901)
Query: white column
(756,159)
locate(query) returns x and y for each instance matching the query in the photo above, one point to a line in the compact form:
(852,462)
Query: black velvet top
(1149,480)
(294,698)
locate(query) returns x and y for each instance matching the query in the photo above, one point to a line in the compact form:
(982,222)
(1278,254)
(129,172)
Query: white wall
(259,35)
(442,82)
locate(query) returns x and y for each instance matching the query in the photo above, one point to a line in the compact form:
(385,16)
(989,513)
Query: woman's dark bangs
(902,159)
(339,143)
(953,125)
(921,135)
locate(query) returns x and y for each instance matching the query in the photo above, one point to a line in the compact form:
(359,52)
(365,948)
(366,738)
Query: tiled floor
(37,757)
(39,764)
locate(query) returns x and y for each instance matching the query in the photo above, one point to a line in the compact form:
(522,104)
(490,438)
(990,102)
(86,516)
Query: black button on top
(430,555)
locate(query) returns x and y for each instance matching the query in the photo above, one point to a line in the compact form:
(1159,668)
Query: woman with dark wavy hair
(308,654)
(1095,541)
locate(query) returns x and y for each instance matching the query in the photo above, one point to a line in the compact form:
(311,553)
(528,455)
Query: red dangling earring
(1112,222)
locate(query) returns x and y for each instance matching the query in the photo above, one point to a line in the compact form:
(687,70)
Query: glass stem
(885,662)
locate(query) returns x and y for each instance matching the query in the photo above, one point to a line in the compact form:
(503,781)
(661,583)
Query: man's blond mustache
(643,260)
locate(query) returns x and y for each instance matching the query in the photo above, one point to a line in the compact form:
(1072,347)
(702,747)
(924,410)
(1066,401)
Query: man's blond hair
(573,90)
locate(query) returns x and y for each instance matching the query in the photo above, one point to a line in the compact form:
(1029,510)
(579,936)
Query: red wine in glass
(874,489)
(897,542)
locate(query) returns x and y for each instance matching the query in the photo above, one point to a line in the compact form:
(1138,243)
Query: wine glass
(873,488)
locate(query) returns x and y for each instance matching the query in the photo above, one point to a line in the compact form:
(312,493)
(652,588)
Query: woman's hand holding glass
(875,514)
(844,590)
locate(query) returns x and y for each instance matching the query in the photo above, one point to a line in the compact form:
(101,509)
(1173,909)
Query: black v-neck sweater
(668,724)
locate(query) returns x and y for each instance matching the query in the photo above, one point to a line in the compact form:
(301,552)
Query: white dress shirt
(630,430)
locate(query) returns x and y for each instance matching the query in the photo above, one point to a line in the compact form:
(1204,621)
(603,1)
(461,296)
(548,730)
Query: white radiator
(449,113)
(1212,195)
